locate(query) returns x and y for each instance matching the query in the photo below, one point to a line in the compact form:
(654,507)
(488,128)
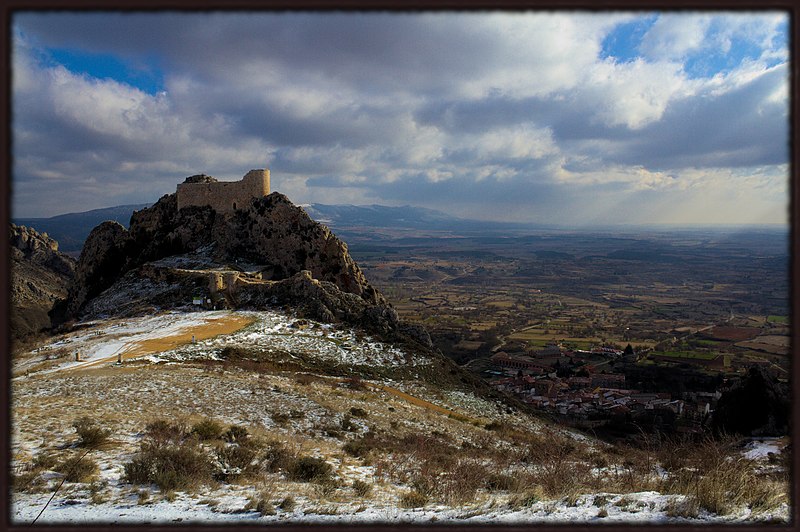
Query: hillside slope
(40,275)
(286,420)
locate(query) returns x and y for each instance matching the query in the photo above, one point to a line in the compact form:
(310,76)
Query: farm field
(519,293)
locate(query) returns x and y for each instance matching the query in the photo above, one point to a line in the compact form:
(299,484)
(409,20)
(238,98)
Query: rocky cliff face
(269,252)
(39,277)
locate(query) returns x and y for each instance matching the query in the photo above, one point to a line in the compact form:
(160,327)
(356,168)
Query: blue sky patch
(146,77)
(622,43)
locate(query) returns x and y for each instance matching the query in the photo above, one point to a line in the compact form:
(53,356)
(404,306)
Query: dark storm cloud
(448,110)
(741,127)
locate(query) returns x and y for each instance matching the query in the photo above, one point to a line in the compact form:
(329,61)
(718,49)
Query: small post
(193,340)
(119,358)
(77,356)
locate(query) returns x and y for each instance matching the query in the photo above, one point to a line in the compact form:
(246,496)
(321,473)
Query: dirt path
(421,402)
(408,398)
(148,346)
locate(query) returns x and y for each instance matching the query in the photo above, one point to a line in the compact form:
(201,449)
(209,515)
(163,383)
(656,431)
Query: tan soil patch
(735,334)
(211,328)
(771,348)
(421,402)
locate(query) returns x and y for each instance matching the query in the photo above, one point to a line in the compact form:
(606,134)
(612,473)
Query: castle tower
(224,197)
(257,181)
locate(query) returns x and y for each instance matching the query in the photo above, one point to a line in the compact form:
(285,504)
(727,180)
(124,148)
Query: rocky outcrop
(40,275)
(272,230)
(103,256)
(270,239)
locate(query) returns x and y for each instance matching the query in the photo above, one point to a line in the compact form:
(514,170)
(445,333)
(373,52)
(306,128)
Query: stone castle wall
(222,196)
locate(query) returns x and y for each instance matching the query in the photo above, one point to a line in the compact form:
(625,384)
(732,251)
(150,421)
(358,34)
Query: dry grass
(169,458)
(91,435)
(718,479)
(418,455)
(413,499)
(78,468)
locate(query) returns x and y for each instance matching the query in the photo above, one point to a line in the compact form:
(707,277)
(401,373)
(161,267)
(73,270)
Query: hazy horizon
(621,227)
(564,118)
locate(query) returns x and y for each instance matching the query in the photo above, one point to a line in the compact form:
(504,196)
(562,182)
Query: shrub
(96,492)
(358,412)
(325,486)
(720,480)
(571,500)
(499,482)
(208,429)
(169,466)
(358,448)
(44,461)
(765,495)
(307,469)
(264,507)
(236,433)
(460,484)
(28,481)
(91,435)
(347,423)
(528,498)
(235,460)
(287,504)
(162,431)
(361,488)
(413,499)
(277,457)
(280,418)
(78,469)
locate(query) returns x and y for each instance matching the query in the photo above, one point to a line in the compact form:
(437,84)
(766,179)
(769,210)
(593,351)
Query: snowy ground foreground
(271,330)
(634,508)
(762,448)
(158,386)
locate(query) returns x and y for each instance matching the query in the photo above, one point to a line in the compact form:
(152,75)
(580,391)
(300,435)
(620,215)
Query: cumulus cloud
(448,110)
(674,35)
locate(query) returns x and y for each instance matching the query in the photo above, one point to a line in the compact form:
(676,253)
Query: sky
(572,118)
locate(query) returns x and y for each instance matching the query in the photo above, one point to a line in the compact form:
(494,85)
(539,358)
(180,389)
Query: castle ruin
(223,196)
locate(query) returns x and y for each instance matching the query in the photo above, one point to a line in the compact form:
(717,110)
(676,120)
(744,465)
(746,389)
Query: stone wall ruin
(223,196)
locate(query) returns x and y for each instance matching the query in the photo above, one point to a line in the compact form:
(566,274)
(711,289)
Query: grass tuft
(91,435)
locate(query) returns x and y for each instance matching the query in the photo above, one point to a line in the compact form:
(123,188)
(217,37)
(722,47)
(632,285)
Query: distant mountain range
(376,216)
(71,230)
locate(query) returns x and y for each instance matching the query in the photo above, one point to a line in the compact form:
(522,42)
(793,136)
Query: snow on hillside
(172,378)
(106,340)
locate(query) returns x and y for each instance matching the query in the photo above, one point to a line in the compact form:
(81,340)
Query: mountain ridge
(72,229)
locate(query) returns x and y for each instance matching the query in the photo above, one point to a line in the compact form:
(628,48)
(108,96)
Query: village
(577,388)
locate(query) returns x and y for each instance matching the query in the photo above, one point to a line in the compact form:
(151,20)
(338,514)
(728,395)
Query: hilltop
(266,253)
